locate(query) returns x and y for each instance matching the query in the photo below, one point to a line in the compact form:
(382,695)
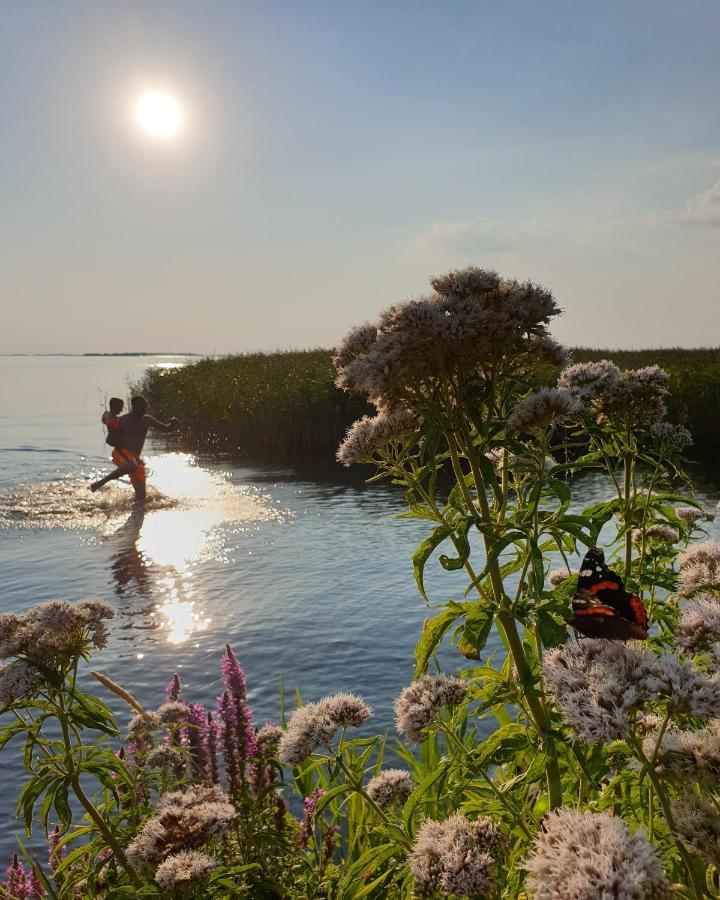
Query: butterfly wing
(601,605)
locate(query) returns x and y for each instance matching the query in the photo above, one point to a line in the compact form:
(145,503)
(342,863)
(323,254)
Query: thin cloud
(480,235)
(702,209)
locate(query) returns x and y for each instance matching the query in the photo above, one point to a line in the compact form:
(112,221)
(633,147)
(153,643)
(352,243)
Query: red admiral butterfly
(601,605)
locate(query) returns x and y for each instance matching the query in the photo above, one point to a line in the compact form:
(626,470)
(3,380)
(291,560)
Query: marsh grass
(286,404)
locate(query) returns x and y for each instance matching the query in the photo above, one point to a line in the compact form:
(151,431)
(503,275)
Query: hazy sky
(337,153)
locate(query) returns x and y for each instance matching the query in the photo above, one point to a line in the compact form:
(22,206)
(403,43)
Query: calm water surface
(309,580)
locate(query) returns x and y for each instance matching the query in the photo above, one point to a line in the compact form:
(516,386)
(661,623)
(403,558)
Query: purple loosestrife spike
(233,674)
(17,886)
(36,889)
(227,723)
(281,811)
(196,738)
(329,843)
(212,746)
(309,804)
(172,694)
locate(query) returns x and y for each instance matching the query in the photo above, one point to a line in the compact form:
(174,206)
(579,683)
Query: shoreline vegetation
(285,405)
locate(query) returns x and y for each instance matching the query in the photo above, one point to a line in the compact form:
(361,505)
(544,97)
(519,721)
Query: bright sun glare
(159,114)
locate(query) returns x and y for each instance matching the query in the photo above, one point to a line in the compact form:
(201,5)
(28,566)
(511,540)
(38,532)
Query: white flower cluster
(390,786)
(699,569)
(586,856)
(601,686)
(473,320)
(379,434)
(183,868)
(184,820)
(315,724)
(418,704)
(540,410)
(699,624)
(698,823)
(455,856)
(684,754)
(689,515)
(588,380)
(557,576)
(636,396)
(659,533)
(17,682)
(672,437)
(53,633)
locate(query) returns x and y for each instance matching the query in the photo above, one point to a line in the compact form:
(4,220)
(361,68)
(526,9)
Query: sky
(335,154)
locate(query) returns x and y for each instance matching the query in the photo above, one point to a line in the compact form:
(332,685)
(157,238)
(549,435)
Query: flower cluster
(690,515)
(17,682)
(182,868)
(558,576)
(686,753)
(588,380)
(473,319)
(54,633)
(455,856)
(699,624)
(673,438)
(659,533)
(697,822)
(540,410)
(21,885)
(315,724)
(635,397)
(184,820)
(699,569)
(390,786)
(519,466)
(308,821)
(601,686)
(418,704)
(378,435)
(585,855)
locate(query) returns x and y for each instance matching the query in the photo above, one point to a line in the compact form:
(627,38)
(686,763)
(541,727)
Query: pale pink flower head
(557,576)
(372,439)
(539,411)
(468,282)
(637,397)
(356,342)
(685,688)
(586,856)
(346,709)
(699,569)
(418,704)
(182,868)
(18,681)
(587,380)
(698,824)
(658,534)
(699,625)
(390,786)
(314,725)
(671,438)
(690,515)
(455,856)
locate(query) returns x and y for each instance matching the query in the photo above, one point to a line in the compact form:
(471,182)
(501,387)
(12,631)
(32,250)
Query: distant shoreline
(133,353)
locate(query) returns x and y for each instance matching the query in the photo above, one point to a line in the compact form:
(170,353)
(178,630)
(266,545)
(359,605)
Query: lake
(307,576)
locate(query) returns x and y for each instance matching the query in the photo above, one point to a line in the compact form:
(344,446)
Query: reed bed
(286,404)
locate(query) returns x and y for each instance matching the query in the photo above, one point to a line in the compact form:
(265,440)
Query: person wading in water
(129,439)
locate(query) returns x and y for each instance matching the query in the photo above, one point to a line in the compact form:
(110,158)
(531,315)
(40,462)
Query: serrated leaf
(432,634)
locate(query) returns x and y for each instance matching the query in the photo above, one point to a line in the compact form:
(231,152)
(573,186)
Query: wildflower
(21,885)
(685,688)
(182,868)
(658,533)
(673,438)
(636,397)
(689,515)
(329,842)
(309,805)
(587,380)
(540,410)
(697,822)
(268,738)
(17,682)
(141,727)
(699,569)
(53,633)
(547,350)
(684,754)
(585,855)
(599,685)
(195,736)
(148,845)
(167,757)
(699,624)
(558,576)
(233,674)
(172,713)
(355,342)
(465,282)
(390,786)
(518,465)
(314,725)
(376,436)
(212,748)
(173,690)
(455,856)
(418,704)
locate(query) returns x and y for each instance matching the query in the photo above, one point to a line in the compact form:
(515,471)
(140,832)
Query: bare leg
(140,492)
(116,473)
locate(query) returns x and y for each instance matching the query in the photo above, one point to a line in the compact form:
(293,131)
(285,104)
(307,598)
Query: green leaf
(424,552)
(477,627)
(420,791)
(432,634)
(552,632)
(462,545)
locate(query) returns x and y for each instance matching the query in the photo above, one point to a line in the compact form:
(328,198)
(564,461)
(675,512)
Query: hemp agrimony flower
(699,569)
(699,624)
(314,725)
(182,868)
(17,682)
(585,856)
(698,823)
(540,410)
(417,705)
(377,435)
(390,786)
(587,380)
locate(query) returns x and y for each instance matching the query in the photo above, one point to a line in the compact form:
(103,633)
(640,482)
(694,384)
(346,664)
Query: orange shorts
(122,457)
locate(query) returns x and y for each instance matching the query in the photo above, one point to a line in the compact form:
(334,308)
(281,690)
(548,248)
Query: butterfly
(601,605)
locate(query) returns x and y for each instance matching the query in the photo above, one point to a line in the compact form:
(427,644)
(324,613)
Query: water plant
(568,768)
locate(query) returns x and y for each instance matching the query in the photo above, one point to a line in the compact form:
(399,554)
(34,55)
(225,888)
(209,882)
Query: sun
(159,114)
